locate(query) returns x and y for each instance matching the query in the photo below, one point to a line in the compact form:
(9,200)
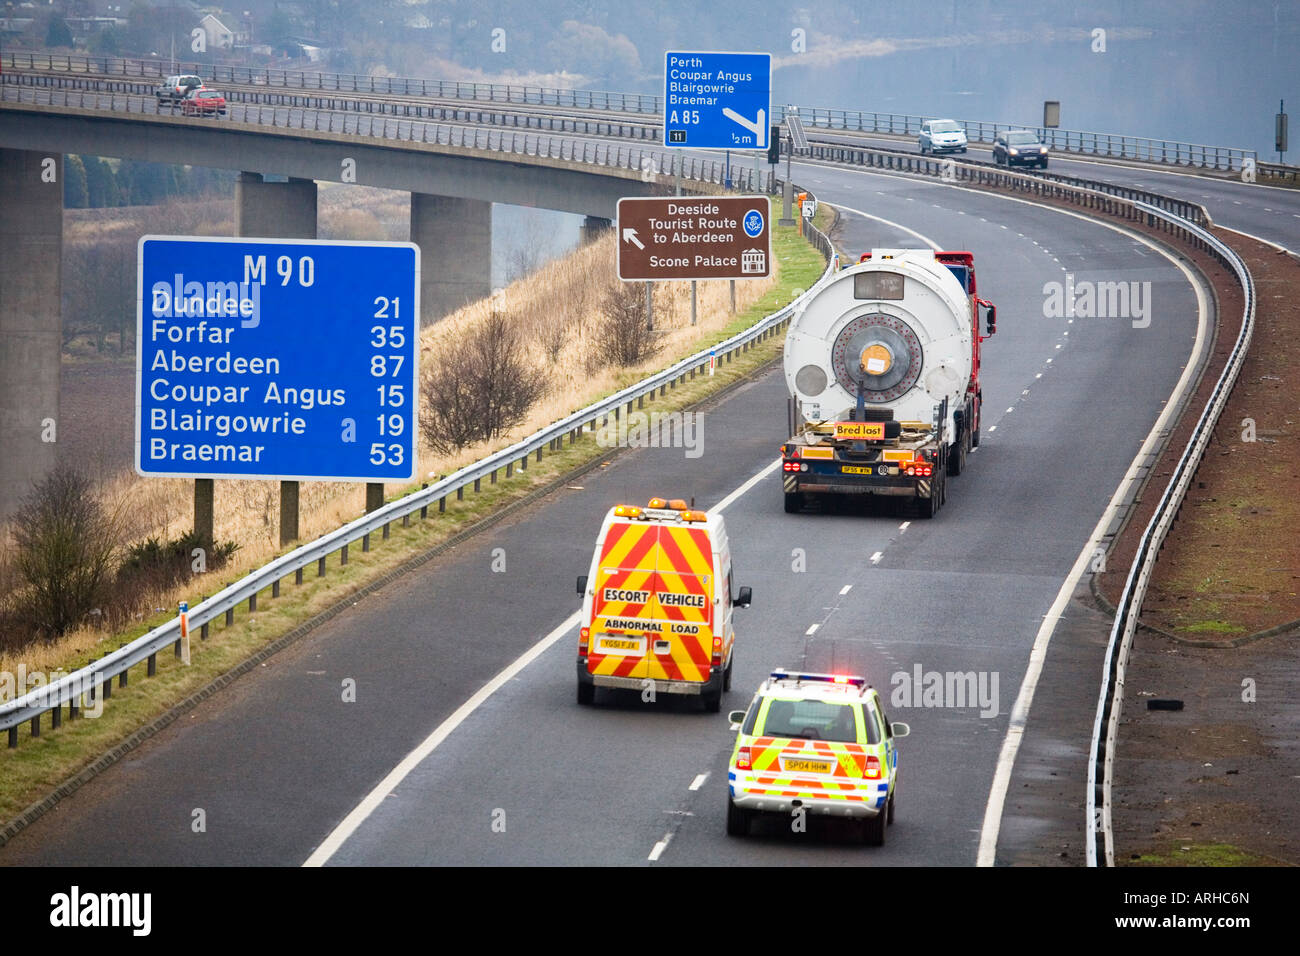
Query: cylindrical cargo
(898,325)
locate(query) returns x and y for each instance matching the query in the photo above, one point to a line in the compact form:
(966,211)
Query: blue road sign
(717,100)
(277,358)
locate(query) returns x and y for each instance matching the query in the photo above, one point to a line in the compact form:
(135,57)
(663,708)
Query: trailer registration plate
(855,470)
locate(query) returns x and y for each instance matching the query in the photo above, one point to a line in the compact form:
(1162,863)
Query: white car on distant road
(942,136)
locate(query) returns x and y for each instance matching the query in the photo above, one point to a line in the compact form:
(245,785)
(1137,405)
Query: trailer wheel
(793,502)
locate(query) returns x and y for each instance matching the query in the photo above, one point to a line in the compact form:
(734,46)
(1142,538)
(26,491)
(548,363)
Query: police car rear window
(814,720)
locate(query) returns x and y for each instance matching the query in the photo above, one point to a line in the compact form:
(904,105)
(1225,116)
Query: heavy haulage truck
(883,369)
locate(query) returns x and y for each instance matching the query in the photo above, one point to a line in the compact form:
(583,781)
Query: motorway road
(278,760)
(1267,212)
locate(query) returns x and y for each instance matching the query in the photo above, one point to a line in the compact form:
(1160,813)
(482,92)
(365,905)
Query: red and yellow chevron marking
(657,560)
(684,565)
(627,562)
(849,762)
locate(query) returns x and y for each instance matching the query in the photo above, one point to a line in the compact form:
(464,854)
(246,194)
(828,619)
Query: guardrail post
(343,556)
(56,717)
(36,725)
(252,606)
(320,567)
(13,737)
(275,588)
(365,543)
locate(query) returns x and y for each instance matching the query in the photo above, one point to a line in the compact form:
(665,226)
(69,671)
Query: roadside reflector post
(183,645)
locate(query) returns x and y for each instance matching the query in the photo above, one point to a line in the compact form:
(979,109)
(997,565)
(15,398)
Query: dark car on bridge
(204,103)
(1019,147)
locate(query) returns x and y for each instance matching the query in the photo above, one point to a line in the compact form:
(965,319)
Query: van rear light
(584,637)
(873,768)
(743,761)
(717,652)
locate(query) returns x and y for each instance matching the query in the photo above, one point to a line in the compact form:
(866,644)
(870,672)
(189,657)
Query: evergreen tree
(74,183)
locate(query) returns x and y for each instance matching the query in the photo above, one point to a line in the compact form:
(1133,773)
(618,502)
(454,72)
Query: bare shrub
(66,542)
(481,389)
(623,335)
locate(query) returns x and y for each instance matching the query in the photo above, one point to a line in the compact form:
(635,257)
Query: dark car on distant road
(1019,147)
(204,103)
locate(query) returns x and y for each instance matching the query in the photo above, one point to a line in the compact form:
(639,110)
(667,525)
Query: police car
(817,742)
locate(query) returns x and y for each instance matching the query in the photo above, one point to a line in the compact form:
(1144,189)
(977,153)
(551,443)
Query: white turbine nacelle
(899,324)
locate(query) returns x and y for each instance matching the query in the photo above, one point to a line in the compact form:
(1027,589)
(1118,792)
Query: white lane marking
(399,773)
(726,502)
(993,428)
(846,589)
(698,781)
(812,629)
(903,526)
(1011,409)
(1020,710)
(889,222)
(875,558)
(660,847)
(1039,375)
(341,833)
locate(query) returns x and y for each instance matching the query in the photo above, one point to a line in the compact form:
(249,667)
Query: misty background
(1192,70)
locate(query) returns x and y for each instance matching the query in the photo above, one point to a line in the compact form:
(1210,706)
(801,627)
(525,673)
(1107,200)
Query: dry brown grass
(563,297)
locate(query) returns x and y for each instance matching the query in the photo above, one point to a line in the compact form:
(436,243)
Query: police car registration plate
(805,766)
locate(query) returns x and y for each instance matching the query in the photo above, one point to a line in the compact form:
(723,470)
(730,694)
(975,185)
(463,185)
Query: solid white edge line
(340,834)
(1267,242)
(987,854)
(367,806)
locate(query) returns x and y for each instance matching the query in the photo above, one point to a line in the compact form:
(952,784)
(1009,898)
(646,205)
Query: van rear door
(683,602)
(622,621)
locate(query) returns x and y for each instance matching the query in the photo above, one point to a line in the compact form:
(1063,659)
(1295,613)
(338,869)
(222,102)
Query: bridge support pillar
(593,227)
(275,211)
(31,323)
(455,240)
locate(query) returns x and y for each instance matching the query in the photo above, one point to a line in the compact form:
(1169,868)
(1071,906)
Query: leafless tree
(482,388)
(624,336)
(66,542)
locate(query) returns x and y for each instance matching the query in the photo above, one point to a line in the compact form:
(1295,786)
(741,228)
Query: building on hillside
(219,36)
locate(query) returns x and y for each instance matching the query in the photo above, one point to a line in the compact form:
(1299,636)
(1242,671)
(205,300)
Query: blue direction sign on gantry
(277,358)
(717,100)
